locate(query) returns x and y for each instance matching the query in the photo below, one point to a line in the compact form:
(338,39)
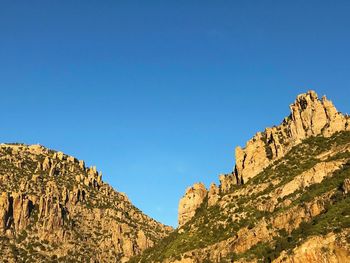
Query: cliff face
(332,248)
(53,208)
(192,200)
(287,199)
(310,116)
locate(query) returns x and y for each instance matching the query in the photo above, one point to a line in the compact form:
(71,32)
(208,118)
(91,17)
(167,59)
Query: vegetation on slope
(335,218)
(213,224)
(53,208)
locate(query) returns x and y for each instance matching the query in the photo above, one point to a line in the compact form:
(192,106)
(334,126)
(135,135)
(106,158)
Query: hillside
(287,199)
(54,209)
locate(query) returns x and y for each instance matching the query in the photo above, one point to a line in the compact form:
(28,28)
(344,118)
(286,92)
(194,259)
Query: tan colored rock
(332,248)
(46,164)
(128,248)
(60,156)
(71,159)
(250,237)
(346,186)
(315,175)
(65,195)
(37,149)
(82,164)
(4,211)
(77,195)
(310,116)
(227,181)
(213,194)
(141,240)
(291,219)
(52,170)
(79,178)
(192,200)
(253,158)
(63,214)
(21,211)
(238,243)
(99,178)
(51,214)
(38,168)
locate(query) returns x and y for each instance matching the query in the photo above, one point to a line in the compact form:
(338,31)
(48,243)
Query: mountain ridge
(309,116)
(288,191)
(53,208)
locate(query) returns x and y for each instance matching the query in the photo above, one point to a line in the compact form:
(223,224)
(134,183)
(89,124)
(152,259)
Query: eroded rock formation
(310,116)
(287,199)
(63,210)
(191,201)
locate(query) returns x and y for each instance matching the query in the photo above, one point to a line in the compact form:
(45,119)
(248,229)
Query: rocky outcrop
(297,195)
(291,219)
(50,213)
(228,181)
(15,209)
(63,210)
(310,116)
(142,241)
(21,209)
(332,248)
(313,176)
(346,186)
(46,164)
(213,195)
(247,237)
(190,202)
(5,211)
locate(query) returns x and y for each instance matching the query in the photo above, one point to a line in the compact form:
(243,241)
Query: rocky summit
(286,200)
(54,209)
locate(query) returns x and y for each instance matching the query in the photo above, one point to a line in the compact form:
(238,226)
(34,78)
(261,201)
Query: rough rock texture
(332,248)
(310,116)
(189,203)
(54,208)
(213,194)
(228,181)
(312,176)
(287,199)
(346,186)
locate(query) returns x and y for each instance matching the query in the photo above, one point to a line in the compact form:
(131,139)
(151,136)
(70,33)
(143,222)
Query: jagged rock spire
(310,116)
(192,199)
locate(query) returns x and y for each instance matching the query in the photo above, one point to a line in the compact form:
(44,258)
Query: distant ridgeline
(287,199)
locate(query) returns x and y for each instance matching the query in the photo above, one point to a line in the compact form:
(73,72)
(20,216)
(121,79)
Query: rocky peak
(51,199)
(189,203)
(310,116)
(300,191)
(213,194)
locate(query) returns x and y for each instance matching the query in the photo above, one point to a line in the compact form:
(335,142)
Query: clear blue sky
(157,94)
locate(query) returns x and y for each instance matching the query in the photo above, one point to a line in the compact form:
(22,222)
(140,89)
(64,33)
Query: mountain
(287,199)
(54,209)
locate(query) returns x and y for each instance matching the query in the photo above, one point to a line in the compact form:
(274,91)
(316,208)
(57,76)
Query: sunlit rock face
(286,200)
(310,116)
(53,207)
(190,202)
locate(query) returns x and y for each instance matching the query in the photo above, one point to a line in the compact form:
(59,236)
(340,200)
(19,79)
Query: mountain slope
(54,209)
(287,199)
